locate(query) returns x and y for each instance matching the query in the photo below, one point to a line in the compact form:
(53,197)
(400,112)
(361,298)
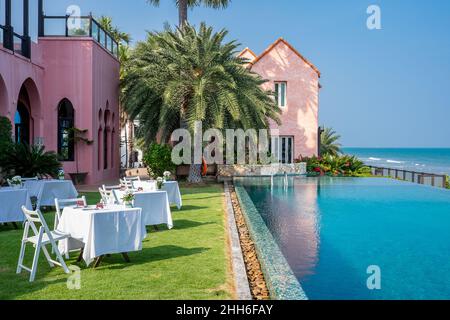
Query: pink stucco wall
(81,71)
(300,116)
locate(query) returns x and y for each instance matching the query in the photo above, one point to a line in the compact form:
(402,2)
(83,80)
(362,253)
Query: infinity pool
(330,231)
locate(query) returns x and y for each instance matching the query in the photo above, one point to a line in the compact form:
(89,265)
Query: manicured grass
(187,262)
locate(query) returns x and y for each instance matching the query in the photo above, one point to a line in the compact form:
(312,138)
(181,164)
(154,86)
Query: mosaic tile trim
(282,283)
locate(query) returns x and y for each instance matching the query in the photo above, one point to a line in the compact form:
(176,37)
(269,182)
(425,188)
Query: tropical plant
(158,159)
(6,142)
(179,77)
(329,143)
(336,166)
(447,182)
(31,161)
(184,5)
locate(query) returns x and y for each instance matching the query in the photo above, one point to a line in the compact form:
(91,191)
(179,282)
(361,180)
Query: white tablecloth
(173,191)
(113,230)
(11,202)
(145,185)
(155,207)
(46,191)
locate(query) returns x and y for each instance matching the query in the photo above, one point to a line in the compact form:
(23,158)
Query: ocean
(416,159)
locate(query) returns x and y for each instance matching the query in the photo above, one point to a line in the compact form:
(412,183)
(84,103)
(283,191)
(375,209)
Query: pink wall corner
(300,116)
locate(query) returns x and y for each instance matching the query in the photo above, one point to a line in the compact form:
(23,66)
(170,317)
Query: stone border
(280,279)
(241,283)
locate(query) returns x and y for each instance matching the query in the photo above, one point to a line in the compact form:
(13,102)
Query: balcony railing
(15,42)
(83,26)
(431,179)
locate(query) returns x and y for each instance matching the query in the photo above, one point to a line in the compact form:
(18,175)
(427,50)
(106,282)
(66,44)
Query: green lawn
(187,262)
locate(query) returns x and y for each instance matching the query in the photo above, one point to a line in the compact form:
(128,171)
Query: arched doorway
(27,116)
(22,124)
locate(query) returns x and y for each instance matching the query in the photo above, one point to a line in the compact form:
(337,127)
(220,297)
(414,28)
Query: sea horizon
(427,159)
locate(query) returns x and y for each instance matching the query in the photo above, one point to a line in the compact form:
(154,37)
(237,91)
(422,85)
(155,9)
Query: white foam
(374,159)
(393,161)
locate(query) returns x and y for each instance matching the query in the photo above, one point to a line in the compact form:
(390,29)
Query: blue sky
(383,88)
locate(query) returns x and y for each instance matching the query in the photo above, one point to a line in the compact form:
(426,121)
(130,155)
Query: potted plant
(159,183)
(167,175)
(16,182)
(79,137)
(128,199)
(61,174)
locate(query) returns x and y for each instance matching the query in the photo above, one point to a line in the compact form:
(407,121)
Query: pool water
(331,230)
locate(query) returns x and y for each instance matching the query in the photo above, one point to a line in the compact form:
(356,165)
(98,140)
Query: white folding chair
(60,204)
(40,239)
(127,184)
(107,195)
(109,188)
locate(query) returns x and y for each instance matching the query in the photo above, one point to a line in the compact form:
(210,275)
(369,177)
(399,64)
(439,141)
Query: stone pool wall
(227,172)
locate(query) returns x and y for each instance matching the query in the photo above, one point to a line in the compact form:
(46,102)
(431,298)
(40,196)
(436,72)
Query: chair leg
(47,255)
(80,257)
(35,263)
(60,258)
(22,254)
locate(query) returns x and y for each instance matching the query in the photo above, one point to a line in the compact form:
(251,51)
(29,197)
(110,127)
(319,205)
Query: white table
(155,207)
(115,229)
(46,191)
(11,202)
(173,191)
(145,185)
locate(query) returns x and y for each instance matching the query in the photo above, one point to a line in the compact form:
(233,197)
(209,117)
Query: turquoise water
(332,229)
(421,160)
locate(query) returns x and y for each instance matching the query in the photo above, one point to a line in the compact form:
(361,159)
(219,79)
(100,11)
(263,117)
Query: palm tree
(329,144)
(184,5)
(195,76)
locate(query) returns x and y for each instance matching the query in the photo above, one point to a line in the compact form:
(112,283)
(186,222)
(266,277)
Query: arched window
(22,124)
(106,133)
(66,122)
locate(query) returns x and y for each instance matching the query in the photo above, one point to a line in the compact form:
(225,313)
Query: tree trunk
(195,173)
(130,143)
(183,12)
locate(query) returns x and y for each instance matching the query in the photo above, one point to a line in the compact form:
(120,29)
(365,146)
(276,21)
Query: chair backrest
(60,204)
(33,217)
(108,196)
(132,178)
(127,184)
(110,188)
(118,195)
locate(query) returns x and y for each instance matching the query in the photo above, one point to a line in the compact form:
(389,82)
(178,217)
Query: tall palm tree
(184,5)
(193,75)
(329,143)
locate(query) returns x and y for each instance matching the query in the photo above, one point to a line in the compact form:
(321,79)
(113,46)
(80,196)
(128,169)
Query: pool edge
(281,281)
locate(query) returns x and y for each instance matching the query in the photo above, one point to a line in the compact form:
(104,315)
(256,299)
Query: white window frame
(279,91)
(277,148)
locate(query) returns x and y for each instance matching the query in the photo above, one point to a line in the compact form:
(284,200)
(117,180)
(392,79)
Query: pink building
(68,78)
(295,82)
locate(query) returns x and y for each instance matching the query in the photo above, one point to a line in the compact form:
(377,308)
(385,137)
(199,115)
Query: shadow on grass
(188,224)
(190,208)
(147,256)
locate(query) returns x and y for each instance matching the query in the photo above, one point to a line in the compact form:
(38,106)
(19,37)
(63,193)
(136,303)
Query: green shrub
(158,158)
(6,144)
(31,161)
(348,166)
(447,182)
(5,137)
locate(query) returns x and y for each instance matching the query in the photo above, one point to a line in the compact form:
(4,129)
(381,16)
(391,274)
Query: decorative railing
(83,26)
(431,179)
